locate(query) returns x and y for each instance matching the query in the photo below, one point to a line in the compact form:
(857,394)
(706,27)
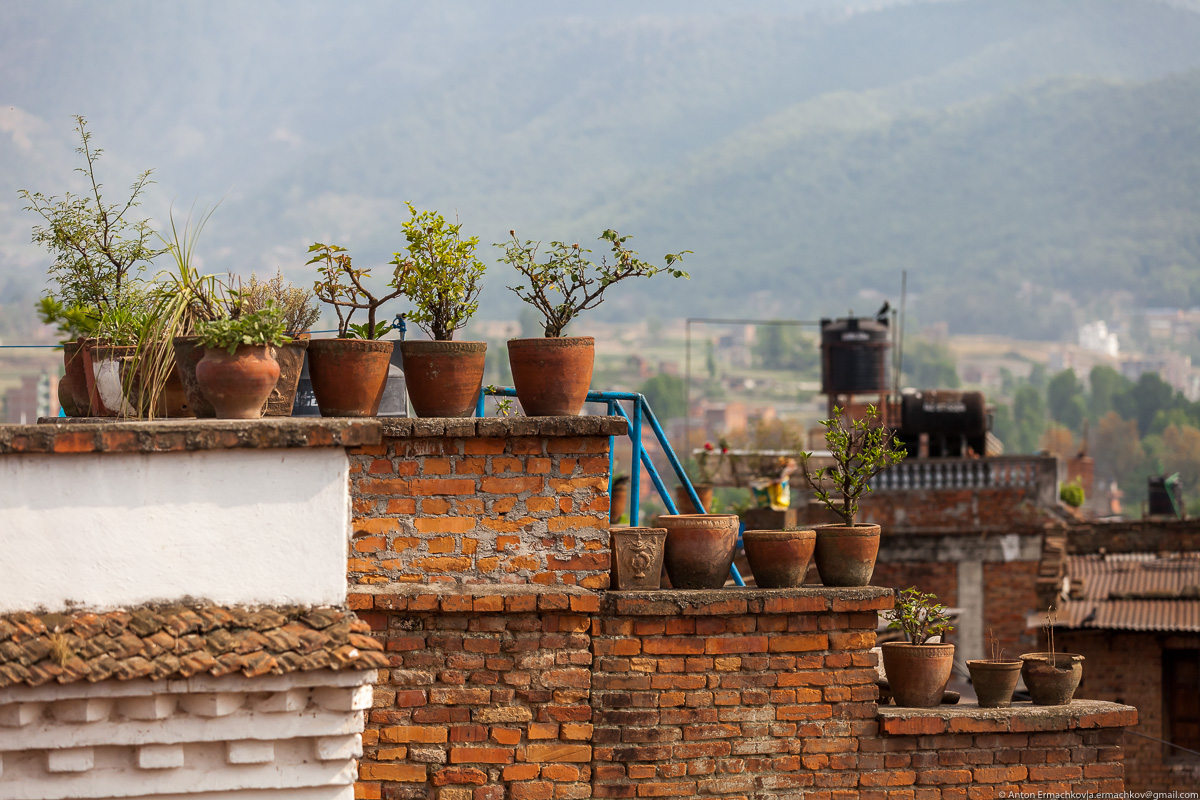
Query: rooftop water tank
(854,355)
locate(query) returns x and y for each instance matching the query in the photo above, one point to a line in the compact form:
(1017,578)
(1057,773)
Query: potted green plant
(994,679)
(552,374)
(845,553)
(918,669)
(350,372)
(1051,677)
(439,273)
(300,312)
(238,370)
(98,255)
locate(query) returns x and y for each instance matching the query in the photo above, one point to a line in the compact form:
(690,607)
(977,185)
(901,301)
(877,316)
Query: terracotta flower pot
(699,549)
(637,557)
(845,554)
(291,363)
(443,378)
(109,399)
(348,375)
(684,503)
(552,375)
(238,384)
(1051,678)
(917,673)
(75,381)
(188,352)
(172,401)
(779,559)
(994,681)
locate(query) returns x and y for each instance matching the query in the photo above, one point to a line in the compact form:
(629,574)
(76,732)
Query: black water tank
(854,355)
(954,422)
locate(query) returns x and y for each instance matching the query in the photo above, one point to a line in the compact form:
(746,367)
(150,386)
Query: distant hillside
(805,151)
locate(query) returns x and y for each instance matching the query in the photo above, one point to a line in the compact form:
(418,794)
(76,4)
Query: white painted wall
(254,527)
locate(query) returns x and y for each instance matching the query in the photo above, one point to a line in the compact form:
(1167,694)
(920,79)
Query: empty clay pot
(1051,678)
(994,681)
(699,550)
(779,559)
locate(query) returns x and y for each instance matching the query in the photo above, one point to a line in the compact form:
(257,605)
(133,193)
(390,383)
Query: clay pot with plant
(918,669)
(349,373)
(845,554)
(99,252)
(300,312)
(439,273)
(1051,677)
(994,679)
(552,374)
(238,370)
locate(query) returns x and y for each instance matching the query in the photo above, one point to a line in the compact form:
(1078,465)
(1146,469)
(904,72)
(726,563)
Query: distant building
(1096,337)
(37,396)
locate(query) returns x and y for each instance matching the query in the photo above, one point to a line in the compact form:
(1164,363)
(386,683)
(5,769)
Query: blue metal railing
(641,414)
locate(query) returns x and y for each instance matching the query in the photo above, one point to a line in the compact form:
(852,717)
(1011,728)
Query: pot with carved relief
(637,557)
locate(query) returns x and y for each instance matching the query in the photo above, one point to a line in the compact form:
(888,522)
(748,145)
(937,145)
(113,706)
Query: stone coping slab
(52,435)
(459,597)
(717,602)
(501,427)
(1018,718)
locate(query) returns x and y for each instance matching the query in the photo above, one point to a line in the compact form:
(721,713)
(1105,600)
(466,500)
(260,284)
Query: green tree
(1029,418)
(1119,455)
(1003,427)
(930,365)
(1180,452)
(783,347)
(1150,395)
(1106,385)
(667,396)
(1065,401)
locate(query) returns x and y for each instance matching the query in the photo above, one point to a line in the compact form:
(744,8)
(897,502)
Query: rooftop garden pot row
(130,344)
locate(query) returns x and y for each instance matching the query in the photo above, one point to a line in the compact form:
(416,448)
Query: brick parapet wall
(495,500)
(968,511)
(954,752)
(1134,536)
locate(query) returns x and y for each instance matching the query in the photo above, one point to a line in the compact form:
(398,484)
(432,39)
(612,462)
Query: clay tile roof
(181,641)
(1130,591)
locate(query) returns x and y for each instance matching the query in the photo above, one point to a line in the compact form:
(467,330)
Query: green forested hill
(1020,158)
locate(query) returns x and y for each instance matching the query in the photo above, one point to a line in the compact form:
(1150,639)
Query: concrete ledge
(53,435)
(502,427)
(1019,718)
(717,602)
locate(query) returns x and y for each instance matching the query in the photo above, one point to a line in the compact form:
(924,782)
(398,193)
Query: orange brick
(537,466)
(385,486)
(539,504)
(571,522)
(444,524)
(435,466)
(510,485)
(471,466)
(584,562)
(368,791)
(442,544)
(476,447)
(521,772)
(481,755)
(369,544)
(505,542)
(507,736)
(469,505)
(360,602)
(506,464)
(569,444)
(526,446)
(443,564)
(368,450)
(488,564)
(402,543)
(413,733)
(403,773)
(593,466)
(380,466)
(566,505)
(469,546)
(435,486)
(558,752)
(435,505)
(504,505)
(560,772)
(402,505)
(361,565)
(379,525)
(521,562)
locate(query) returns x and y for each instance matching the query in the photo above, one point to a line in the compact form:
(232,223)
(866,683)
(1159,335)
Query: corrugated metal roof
(1130,591)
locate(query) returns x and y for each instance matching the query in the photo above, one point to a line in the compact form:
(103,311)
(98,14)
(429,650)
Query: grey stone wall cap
(501,427)
(90,435)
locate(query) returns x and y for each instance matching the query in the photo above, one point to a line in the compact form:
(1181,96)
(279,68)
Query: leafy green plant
(860,452)
(919,616)
(504,405)
(580,283)
(341,286)
(299,310)
(439,274)
(262,327)
(1072,493)
(72,322)
(98,251)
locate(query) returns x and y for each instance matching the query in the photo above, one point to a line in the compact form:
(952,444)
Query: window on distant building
(1181,697)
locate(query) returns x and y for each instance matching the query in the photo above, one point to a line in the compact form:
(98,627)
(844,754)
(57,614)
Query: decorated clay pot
(349,375)
(637,557)
(443,378)
(699,550)
(779,559)
(291,363)
(238,384)
(552,375)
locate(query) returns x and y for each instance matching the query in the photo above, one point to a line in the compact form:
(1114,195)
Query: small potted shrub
(917,669)
(995,678)
(845,553)
(552,374)
(299,313)
(1051,677)
(440,275)
(349,373)
(238,370)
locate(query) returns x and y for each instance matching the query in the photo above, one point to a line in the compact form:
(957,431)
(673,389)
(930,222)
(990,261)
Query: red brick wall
(1126,667)
(961,511)
(470,507)
(1009,596)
